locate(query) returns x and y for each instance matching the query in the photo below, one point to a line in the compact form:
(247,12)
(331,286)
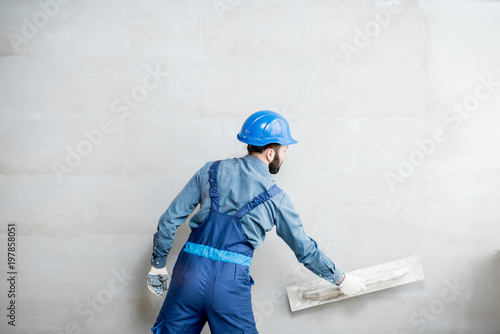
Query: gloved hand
(157,281)
(352,285)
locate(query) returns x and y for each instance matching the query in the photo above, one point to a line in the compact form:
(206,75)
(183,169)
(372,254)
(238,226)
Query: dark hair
(260,149)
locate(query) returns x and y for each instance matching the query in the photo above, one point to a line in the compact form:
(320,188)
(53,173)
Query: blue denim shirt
(240,180)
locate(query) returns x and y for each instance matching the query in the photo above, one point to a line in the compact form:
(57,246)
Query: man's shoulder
(228,163)
(224,162)
(281,197)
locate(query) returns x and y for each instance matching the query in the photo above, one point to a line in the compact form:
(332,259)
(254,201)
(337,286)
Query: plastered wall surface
(109,107)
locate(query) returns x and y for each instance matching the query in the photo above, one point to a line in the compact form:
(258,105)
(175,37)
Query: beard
(274,166)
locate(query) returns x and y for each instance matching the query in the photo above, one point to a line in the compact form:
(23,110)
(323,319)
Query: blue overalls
(211,279)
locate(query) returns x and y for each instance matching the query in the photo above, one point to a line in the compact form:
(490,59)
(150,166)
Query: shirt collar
(257,164)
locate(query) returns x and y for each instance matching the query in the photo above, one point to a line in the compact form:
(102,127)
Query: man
(239,203)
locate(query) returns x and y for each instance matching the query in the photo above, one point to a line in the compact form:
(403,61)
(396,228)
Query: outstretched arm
(289,227)
(176,214)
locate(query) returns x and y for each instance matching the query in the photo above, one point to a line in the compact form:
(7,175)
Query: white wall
(357,102)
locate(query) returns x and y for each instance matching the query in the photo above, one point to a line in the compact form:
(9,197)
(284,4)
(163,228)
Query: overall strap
(264,196)
(214,187)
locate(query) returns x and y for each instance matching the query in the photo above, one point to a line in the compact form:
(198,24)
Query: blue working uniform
(238,193)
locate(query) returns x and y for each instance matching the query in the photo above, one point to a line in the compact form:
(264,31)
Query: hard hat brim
(264,142)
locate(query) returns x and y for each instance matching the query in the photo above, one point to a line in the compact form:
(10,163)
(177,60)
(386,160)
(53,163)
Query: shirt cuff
(159,261)
(334,278)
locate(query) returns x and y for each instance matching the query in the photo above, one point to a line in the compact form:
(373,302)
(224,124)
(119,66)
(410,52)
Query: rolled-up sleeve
(289,228)
(176,214)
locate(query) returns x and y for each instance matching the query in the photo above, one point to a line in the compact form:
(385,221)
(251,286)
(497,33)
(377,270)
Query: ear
(270,153)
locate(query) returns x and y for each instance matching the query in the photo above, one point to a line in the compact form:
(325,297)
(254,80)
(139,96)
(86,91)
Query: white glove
(352,285)
(157,281)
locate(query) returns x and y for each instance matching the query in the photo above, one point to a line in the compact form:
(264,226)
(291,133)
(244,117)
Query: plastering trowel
(379,277)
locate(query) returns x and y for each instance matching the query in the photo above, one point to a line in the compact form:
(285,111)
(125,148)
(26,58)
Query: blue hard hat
(266,127)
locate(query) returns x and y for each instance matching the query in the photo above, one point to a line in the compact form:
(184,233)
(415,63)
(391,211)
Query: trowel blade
(379,277)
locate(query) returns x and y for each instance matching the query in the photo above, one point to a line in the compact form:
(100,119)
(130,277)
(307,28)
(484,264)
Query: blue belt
(217,254)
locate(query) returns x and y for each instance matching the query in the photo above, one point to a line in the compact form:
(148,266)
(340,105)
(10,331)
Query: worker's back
(239,181)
